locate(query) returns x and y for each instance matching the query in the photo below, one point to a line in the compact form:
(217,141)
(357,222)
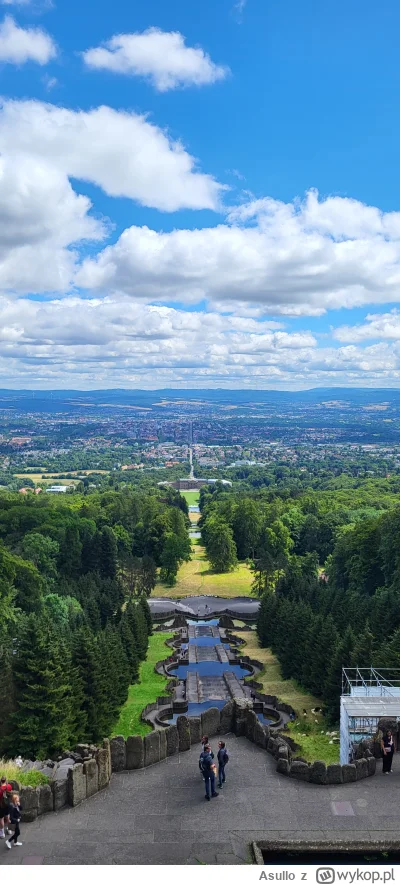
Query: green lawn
(308,731)
(195,577)
(147,690)
(191,497)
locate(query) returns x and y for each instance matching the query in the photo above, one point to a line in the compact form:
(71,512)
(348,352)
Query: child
(15,817)
(223,759)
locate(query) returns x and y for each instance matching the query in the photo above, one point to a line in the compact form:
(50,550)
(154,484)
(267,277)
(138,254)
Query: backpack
(205,763)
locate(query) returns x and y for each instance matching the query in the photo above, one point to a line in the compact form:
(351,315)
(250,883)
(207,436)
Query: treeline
(265,526)
(348,618)
(74,619)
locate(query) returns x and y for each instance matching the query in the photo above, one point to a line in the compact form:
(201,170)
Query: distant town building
(57,490)
(188,485)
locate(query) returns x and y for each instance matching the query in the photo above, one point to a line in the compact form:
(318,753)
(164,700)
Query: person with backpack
(204,742)
(5,791)
(223,760)
(207,767)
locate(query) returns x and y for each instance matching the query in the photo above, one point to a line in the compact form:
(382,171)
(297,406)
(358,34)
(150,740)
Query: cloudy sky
(200,194)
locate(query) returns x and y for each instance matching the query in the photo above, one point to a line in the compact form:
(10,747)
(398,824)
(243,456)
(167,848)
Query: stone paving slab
(159,816)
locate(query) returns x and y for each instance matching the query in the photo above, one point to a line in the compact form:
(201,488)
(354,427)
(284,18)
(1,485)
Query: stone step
(233,685)
(192,688)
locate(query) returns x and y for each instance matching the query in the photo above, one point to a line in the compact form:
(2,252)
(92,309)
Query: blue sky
(199,194)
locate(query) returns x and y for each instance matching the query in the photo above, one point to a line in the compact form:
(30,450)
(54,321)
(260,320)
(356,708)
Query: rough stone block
(210,721)
(60,793)
(251,720)
(283,752)
(76,785)
(272,746)
(172,740)
(318,773)
(227,717)
(283,767)
(30,804)
(82,749)
(349,772)
(241,710)
(134,752)
(361,769)
(106,746)
(91,771)
(182,724)
(261,734)
(118,753)
(163,745)
(45,799)
(334,773)
(102,760)
(371,765)
(195,729)
(151,748)
(300,770)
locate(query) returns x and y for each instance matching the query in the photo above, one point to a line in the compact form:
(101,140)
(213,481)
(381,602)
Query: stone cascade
(236,716)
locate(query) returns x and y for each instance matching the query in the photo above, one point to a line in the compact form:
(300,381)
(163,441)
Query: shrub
(25,778)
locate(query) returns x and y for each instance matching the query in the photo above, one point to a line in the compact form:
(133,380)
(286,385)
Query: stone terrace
(158,815)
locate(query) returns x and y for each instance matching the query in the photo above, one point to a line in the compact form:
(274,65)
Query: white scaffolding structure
(368,694)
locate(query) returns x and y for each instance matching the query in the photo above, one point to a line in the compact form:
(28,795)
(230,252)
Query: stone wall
(77,776)
(236,716)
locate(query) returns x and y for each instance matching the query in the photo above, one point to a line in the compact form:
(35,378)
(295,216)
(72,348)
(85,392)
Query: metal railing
(383,681)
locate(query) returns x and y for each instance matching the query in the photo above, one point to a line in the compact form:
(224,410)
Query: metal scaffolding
(368,695)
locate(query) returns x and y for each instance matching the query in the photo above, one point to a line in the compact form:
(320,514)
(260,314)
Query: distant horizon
(242,390)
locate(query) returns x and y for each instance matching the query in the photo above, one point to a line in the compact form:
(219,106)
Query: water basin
(209,668)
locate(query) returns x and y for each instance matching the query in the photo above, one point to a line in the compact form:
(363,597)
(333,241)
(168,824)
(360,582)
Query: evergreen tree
(130,648)
(144,605)
(42,722)
(7,705)
(364,649)
(342,657)
(108,553)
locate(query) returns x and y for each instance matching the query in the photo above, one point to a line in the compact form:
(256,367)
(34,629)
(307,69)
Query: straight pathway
(159,815)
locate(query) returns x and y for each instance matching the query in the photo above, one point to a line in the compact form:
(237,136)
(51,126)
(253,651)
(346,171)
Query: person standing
(204,743)
(5,791)
(223,759)
(387,752)
(208,769)
(15,817)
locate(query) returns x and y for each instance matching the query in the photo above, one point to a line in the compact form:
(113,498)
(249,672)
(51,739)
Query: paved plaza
(159,815)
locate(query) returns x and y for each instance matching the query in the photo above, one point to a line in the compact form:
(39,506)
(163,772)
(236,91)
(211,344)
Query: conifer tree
(42,722)
(129,645)
(144,605)
(342,657)
(108,553)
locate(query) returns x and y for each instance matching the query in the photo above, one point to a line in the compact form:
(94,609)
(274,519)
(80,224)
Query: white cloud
(120,152)
(117,342)
(19,45)
(41,216)
(49,82)
(158,55)
(238,9)
(383,326)
(300,258)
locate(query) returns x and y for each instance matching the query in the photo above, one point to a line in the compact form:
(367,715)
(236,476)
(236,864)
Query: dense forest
(326,565)
(75,575)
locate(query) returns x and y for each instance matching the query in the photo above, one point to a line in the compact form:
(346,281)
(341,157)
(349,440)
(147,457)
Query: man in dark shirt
(223,759)
(207,767)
